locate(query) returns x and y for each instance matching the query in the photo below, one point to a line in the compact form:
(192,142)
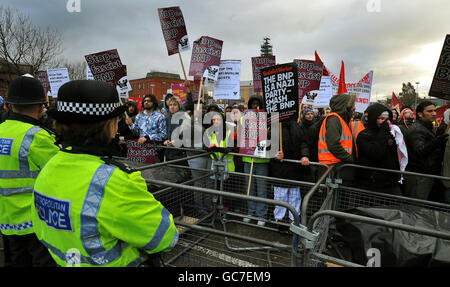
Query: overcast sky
(400,40)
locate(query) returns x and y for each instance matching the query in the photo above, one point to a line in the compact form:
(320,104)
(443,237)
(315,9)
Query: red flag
(342,88)
(396,103)
(325,71)
(440,114)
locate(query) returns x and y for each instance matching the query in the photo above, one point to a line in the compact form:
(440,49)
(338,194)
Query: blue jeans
(258,188)
(201,200)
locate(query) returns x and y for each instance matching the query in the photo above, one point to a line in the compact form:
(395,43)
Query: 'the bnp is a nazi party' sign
(280,90)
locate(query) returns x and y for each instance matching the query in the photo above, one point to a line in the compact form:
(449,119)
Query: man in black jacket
(377,148)
(425,151)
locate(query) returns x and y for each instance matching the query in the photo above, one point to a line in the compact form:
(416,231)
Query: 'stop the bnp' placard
(280,90)
(257,64)
(205,59)
(440,87)
(174,29)
(106,66)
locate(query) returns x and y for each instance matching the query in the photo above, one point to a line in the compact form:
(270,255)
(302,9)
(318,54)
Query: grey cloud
(338,30)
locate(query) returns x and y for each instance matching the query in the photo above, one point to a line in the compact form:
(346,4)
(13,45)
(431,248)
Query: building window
(250,91)
(164,87)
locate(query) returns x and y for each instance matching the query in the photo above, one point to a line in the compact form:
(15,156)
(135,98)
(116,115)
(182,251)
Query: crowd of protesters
(380,138)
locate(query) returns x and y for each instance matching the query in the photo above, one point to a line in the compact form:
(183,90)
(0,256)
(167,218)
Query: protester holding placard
(295,148)
(260,167)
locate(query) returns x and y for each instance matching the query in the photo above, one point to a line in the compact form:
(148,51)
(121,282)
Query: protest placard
(89,75)
(280,90)
(43,78)
(179,91)
(362,89)
(205,59)
(106,66)
(309,76)
(440,86)
(173,29)
(228,81)
(324,93)
(57,77)
(253,137)
(143,153)
(257,64)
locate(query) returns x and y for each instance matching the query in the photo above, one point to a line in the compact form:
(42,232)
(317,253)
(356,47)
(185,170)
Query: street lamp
(417,94)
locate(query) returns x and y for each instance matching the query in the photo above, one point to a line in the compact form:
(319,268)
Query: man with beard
(425,151)
(150,123)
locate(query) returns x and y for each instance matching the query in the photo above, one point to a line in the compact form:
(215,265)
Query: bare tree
(77,70)
(23,43)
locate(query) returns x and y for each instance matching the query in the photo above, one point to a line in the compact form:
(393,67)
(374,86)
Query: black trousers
(26,251)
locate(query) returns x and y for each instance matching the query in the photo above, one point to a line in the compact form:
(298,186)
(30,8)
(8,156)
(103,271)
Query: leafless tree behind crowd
(23,43)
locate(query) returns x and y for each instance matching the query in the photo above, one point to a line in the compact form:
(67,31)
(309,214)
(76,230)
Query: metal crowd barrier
(217,235)
(341,198)
(215,229)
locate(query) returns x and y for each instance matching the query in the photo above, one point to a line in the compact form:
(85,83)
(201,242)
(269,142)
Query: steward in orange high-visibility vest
(335,137)
(356,126)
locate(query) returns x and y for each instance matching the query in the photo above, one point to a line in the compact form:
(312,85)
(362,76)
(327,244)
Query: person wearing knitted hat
(336,144)
(25,147)
(89,209)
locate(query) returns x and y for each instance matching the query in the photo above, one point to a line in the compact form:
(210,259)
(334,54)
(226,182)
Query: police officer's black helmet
(87,101)
(26,91)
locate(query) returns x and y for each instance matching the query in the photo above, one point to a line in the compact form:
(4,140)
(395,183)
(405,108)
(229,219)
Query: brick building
(156,83)
(9,73)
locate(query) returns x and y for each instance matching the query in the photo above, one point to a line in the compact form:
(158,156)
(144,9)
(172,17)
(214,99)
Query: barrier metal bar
(186,182)
(399,197)
(242,197)
(380,222)
(338,171)
(172,161)
(237,236)
(232,195)
(334,260)
(311,192)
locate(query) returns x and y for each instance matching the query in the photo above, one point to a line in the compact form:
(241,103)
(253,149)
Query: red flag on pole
(325,71)
(342,88)
(396,103)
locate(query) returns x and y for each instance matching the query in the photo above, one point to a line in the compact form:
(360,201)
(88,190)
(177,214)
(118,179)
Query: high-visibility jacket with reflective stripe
(105,215)
(325,156)
(24,150)
(357,127)
(229,158)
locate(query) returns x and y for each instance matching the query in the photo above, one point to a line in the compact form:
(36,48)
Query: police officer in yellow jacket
(88,209)
(25,147)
